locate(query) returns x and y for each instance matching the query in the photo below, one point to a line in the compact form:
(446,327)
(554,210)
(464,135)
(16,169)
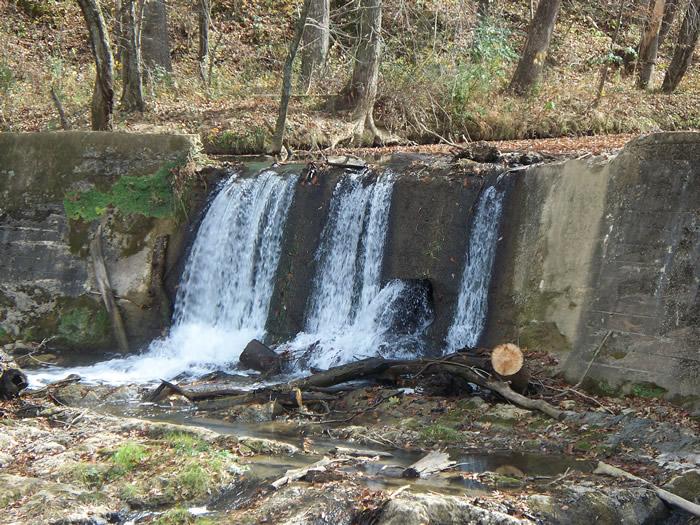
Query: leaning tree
(685,47)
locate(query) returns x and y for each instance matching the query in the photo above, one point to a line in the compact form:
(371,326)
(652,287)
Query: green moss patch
(648,390)
(150,195)
(84,323)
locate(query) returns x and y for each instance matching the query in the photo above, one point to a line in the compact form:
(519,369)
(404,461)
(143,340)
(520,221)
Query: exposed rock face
(54,189)
(600,262)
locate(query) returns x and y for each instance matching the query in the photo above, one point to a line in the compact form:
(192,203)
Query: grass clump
(439,432)
(235,143)
(186,444)
(127,457)
(91,475)
(194,480)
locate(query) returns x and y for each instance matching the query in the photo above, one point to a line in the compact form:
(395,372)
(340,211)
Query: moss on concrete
(79,237)
(150,196)
(83,322)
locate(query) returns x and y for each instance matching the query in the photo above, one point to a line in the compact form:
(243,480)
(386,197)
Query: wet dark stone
(257,356)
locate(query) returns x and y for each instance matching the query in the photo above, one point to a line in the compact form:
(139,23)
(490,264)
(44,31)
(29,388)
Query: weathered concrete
(600,261)
(429,227)
(46,283)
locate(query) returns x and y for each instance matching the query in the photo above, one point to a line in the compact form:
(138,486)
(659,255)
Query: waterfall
(349,315)
(472,304)
(351,253)
(224,294)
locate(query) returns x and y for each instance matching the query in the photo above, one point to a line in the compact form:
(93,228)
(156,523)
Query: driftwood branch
(664,495)
(105,288)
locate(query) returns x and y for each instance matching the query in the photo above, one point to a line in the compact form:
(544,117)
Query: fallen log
(664,495)
(428,465)
(373,367)
(508,362)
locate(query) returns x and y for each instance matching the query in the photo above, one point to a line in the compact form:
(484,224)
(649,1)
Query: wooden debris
(359,453)
(311,389)
(428,465)
(664,495)
(296,474)
(507,359)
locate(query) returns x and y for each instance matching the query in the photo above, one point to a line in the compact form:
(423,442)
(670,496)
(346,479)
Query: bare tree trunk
(132,89)
(103,95)
(531,63)
(65,125)
(315,41)
(667,21)
(204,23)
(365,76)
(278,137)
(649,45)
(683,54)
(155,42)
(606,65)
(119,30)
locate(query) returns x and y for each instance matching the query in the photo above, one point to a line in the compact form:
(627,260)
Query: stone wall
(600,263)
(55,188)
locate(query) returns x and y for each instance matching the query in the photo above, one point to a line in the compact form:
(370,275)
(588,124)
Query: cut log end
(507,359)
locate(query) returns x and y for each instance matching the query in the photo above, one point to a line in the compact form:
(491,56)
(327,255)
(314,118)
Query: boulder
(257,356)
(686,485)
(12,379)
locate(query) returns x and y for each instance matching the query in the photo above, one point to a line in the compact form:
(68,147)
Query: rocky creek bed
(75,453)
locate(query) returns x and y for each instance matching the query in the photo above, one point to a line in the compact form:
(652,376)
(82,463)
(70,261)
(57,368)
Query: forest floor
(73,453)
(434,86)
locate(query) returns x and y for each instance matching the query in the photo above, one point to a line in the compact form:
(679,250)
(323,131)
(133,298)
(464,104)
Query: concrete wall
(600,262)
(46,283)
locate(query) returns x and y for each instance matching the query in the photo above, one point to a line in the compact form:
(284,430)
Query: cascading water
(349,315)
(351,253)
(472,304)
(225,292)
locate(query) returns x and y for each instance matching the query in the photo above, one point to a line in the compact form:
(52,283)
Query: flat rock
(268,446)
(419,509)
